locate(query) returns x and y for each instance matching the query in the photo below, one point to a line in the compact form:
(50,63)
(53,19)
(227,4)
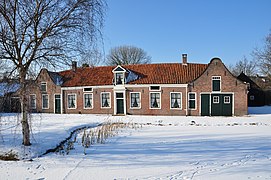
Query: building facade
(145,89)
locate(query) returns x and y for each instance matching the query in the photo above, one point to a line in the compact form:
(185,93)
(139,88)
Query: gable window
(175,100)
(43,86)
(88,102)
(135,100)
(155,100)
(105,100)
(216,99)
(71,101)
(192,101)
(216,83)
(32,102)
(45,101)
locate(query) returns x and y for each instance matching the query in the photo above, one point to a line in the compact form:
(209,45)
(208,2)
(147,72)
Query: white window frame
(227,101)
(42,101)
(91,101)
(215,99)
(181,104)
(122,78)
(192,99)
(31,107)
(216,78)
(75,99)
(160,104)
(43,83)
(139,107)
(101,98)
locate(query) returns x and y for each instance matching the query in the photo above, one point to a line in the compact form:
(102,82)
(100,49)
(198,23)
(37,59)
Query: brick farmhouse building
(143,89)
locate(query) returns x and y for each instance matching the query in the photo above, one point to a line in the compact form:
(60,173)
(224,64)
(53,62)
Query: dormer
(119,75)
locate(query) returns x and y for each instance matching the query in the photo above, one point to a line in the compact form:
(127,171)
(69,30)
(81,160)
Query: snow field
(164,148)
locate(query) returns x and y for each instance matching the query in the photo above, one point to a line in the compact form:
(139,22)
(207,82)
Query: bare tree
(47,33)
(263,56)
(124,55)
(245,66)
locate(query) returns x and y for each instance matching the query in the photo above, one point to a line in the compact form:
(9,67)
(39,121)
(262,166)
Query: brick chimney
(184,56)
(74,65)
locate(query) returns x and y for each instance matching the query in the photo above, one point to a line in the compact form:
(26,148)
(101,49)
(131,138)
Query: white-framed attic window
(119,75)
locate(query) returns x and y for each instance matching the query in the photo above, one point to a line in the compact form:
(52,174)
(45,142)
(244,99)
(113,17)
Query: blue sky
(165,29)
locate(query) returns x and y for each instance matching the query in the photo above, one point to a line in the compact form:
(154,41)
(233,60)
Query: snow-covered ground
(165,147)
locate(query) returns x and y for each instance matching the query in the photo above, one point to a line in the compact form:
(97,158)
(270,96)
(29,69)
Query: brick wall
(229,84)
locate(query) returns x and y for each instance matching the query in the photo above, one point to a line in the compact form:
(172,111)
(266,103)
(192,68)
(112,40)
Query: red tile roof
(170,73)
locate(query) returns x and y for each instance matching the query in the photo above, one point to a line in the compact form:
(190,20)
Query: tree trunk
(25,110)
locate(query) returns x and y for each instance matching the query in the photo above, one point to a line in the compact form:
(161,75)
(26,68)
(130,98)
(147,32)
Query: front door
(205,104)
(120,103)
(57,104)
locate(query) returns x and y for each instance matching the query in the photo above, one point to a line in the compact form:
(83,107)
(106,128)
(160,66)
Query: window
(216,99)
(88,102)
(155,88)
(216,83)
(227,99)
(71,101)
(87,89)
(192,101)
(43,87)
(175,100)
(135,100)
(32,101)
(105,100)
(252,97)
(155,100)
(45,101)
(119,78)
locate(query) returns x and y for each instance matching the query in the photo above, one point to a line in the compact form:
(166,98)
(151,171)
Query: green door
(221,104)
(120,103)
(205,105)
(120,106)
(57,104)
(227,105)
(216,105)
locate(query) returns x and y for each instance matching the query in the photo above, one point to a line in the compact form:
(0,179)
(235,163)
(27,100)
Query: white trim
(108,102)
(75,103)
(181,105)
(115,101)
(119,66)
(92,104)
(42,101)
(192,99)
(55,103)
(160,105)
(215,99)
(126,85)
(227,102)
(139,100)
(43,82)
(35,101)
